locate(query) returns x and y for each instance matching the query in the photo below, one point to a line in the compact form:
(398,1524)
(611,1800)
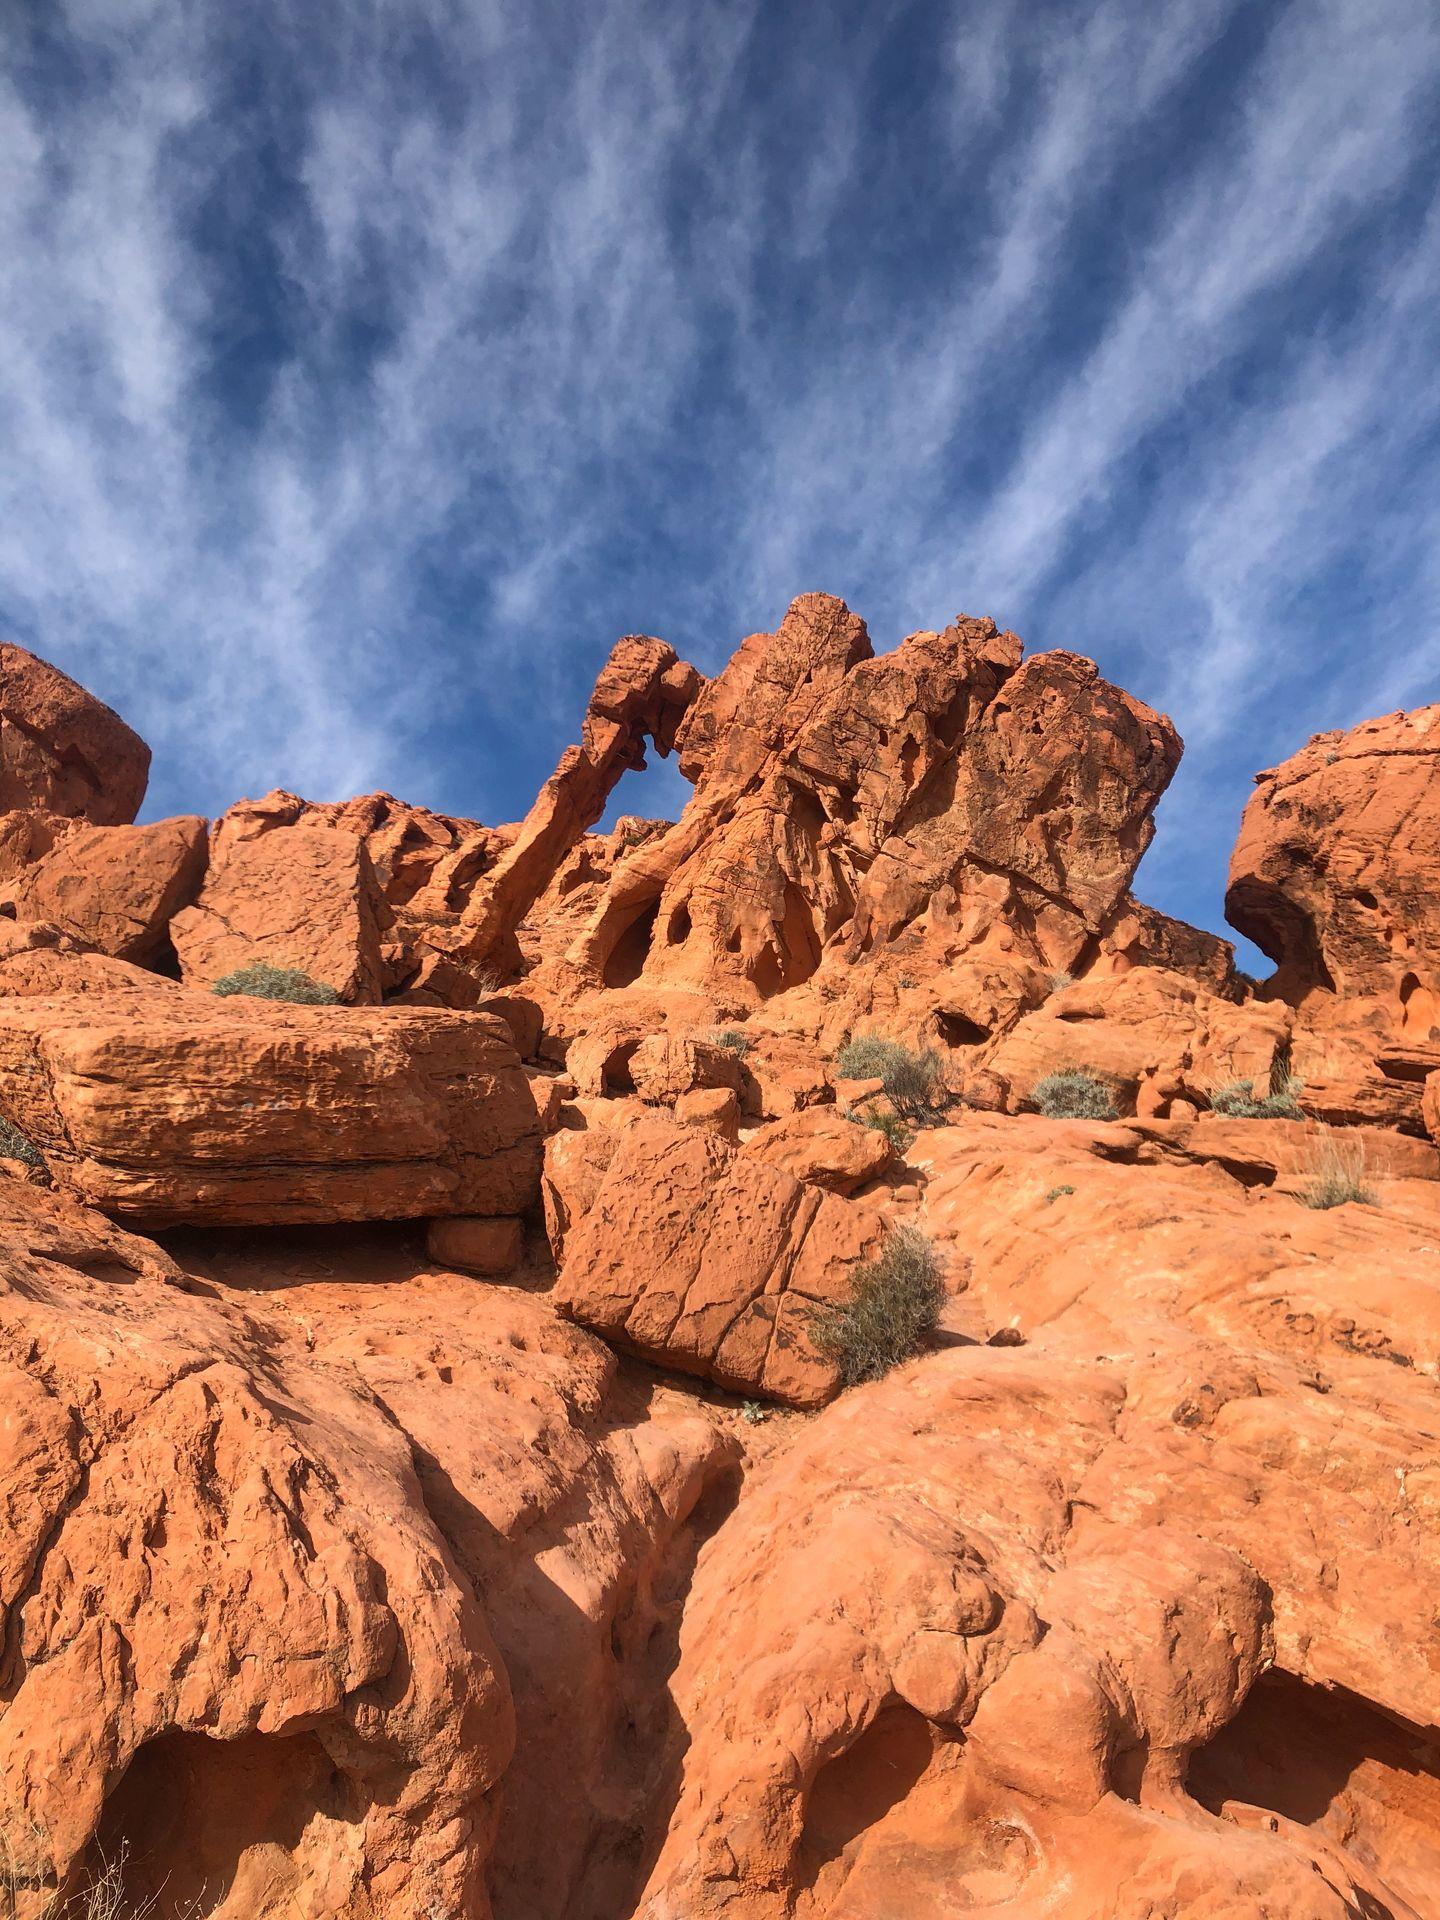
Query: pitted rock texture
(182,1107)
(63,750)
(942,793)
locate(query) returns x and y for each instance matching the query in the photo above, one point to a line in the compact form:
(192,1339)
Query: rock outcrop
(643,693)
(936,801)
(183,1107)
(365,1552)
(711,1260)
(116,889)
(306,897)
(62,750)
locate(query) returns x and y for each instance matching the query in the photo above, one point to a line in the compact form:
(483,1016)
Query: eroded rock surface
(184,1107)
(63,750)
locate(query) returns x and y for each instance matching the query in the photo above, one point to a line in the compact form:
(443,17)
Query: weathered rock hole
(959,1030)
(857,1789)
(220,1826)
(1327,1759)
(630,952)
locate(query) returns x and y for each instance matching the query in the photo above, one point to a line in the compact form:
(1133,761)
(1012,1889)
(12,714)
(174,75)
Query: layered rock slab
(187,1108)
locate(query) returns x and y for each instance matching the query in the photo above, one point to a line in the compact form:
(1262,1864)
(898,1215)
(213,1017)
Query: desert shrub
(1336,1172)
(1074,1093)
(890,1124)
(14,1145)
(262,981)
(1058,1193)
(1239,1101)
(912,1084)
(733,1039)
(866,1057)
(1059,981)
(893,1309)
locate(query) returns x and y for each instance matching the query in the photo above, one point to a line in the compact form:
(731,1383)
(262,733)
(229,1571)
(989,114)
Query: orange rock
(195,1109)
(643,691)
(306,897)
(1152,1035)
(116,888)
(476,1245)
(717,1108)
(666,1065)
(63,750)
(973,1631)
(823,1149)
(1334,873)
(252,1509)
(712,1261)
(27,835)
(37,958)
(844,803)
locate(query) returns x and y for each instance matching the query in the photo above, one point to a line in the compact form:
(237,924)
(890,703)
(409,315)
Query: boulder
(116,889)
(666,1065)
(306,897)
(822,1148)
(1336,871)
(717,1108)
(37,958)
(476,1245)
(191,1108)
(694,1254)
(62,750)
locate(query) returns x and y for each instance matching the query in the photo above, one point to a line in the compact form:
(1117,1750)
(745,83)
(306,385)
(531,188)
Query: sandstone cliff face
(451,1510)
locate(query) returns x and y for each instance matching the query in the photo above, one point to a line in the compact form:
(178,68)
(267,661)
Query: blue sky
(367,368)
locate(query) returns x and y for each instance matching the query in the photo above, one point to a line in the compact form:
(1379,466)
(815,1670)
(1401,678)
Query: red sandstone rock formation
(116,889)
(62,750)
(711,1260)
(335,1580)
(184,1107)
(305,898)
(643,692)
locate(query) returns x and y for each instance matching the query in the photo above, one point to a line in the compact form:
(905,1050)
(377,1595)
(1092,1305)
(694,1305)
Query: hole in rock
(227,1827)
(959,1030)
(1328,1759)
(859,1787)
(632,949)
(678,931)
(615,1075)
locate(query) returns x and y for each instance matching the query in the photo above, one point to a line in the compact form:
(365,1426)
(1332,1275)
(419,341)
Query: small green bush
(262,981)
(1059,981)
(733,1039)
(14,1145)
(1237,1100)
(890,1124)
(1074,1093)
(893,1309)
(1058,1193)
(866,1057)
(1337,1173)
